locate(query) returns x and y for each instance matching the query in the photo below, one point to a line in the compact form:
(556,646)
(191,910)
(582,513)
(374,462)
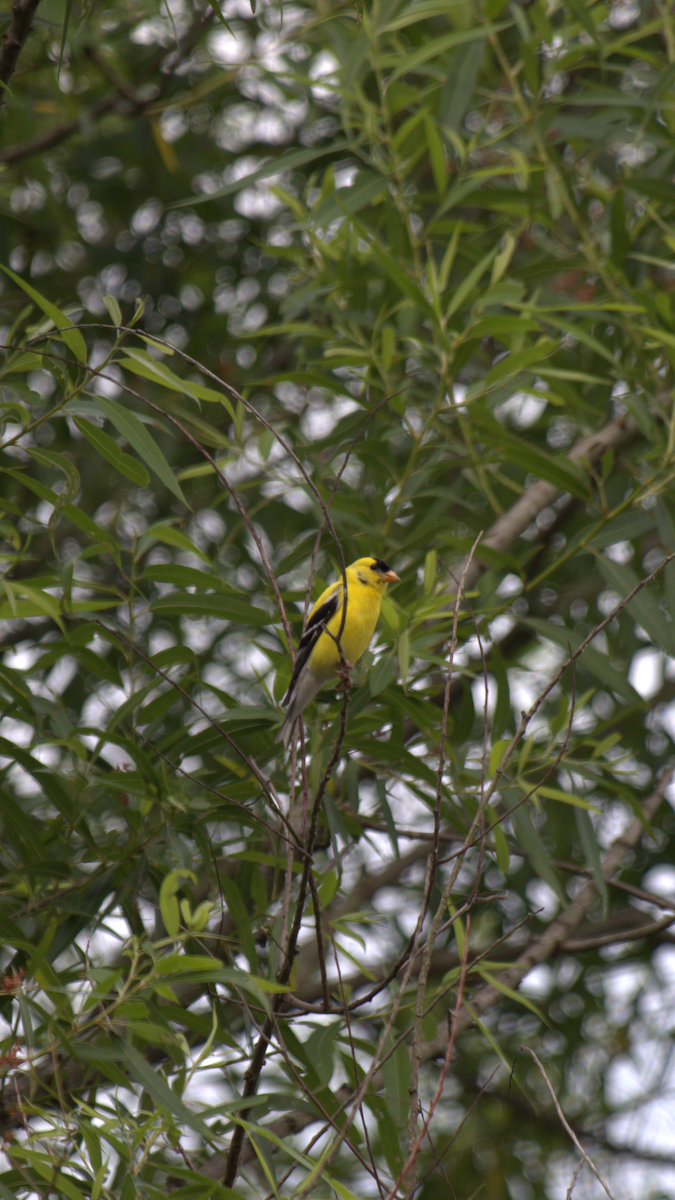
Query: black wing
(312,633)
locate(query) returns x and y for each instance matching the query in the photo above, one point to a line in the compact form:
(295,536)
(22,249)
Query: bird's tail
(285,730)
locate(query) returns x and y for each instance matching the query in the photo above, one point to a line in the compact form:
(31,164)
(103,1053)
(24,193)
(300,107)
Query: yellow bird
(318,657)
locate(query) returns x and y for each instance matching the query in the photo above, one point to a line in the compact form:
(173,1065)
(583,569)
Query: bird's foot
(345,679)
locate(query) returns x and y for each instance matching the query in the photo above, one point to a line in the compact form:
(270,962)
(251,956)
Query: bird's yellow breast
(363,610)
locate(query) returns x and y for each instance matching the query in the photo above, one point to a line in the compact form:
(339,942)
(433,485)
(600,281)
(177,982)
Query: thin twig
(629,888)
(574,945)
(552,938)
(352,1047)
(573,1183)
(320,952)
(452,1020)
(565,1123)
(430,874)
(531,712)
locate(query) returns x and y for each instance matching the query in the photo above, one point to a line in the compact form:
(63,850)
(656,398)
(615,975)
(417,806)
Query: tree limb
(549,942)
(13,40)
(123,98)
(516,519)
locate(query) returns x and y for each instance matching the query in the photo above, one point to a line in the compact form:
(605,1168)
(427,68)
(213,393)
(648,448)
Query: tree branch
(123,98)
(549,942)
(13,40)
(513,522)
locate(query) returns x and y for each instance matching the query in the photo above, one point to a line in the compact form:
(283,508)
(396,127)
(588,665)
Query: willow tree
(283,288)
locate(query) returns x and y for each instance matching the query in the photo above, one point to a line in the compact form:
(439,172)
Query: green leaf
(196,968)
(503,715)
(408,14)
(469,282)
(496,326)
(666,526)
(143,364)
(37,603)
(592,660)
(240,918)
(342,1192)
(320,1051)
(396,1074)
(188,577)
(366,188)
(558,470)
(92,530)
(533,848)
(137,436)
(511,993)
(591,850)
(328,887)
(643,608)
(403,281)
(70,334)
(501,848)
(553,793)
(436,152)
(577,330)
(58,1181)
(511,364)
(46,779)
(113,308)
(226,608)
(497,753)
(437,46)
(156,1086)
(461,80)
(583,16)
(109,449)
(170,536)
(382,674)
(22,833)
(168,905)
(51,459)
(283,162)
(624,528)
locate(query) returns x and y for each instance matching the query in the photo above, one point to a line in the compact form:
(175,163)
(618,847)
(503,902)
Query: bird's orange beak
(391,576)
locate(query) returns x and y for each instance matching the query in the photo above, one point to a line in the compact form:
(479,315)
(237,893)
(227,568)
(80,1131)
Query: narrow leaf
(70,334)
(533,849)
(643,608)
(224,607)
(137,436)
(109,449)
(592,852)
(157,1087)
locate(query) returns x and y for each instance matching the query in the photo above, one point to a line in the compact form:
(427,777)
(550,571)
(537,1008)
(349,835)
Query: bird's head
(373,572)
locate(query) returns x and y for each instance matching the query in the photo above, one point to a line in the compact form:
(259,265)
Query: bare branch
(568,1128)
(13,39)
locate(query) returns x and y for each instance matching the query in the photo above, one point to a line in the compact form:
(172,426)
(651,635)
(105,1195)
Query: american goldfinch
(318,657)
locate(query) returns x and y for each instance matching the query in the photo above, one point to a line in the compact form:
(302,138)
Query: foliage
(282,288)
